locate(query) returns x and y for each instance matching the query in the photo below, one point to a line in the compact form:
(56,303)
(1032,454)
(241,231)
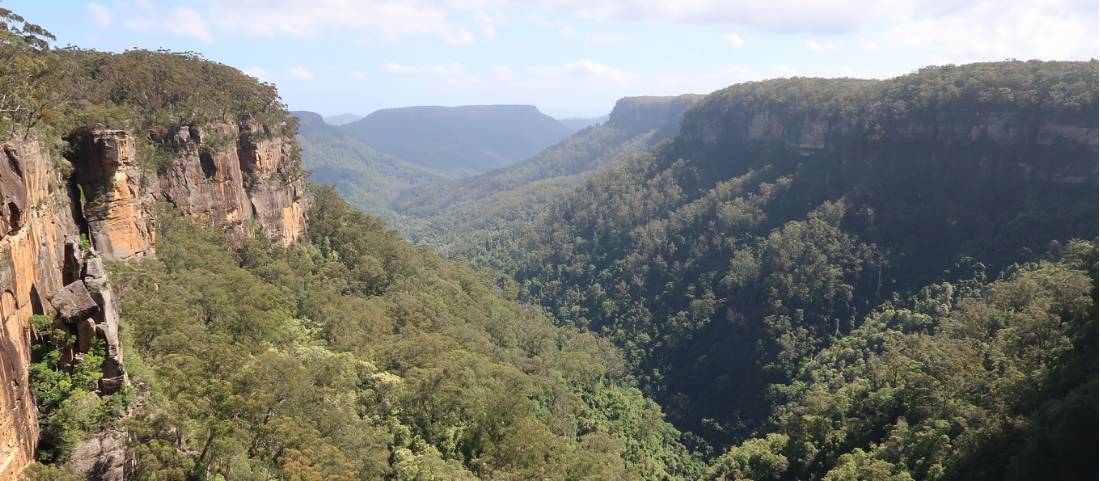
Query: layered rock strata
(247,179)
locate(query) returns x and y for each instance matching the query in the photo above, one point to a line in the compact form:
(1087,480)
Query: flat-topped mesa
(238,177)
(639,114)
(866,126)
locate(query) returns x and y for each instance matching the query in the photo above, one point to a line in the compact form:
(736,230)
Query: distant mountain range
(577,123)
(374,161)
(342,119)
(367,177)
(457,215)
(462,140)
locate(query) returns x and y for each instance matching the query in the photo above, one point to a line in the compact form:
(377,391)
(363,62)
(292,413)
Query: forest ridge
(788,279)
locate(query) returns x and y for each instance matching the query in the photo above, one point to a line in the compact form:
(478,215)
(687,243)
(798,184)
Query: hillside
(342,119)
(367,178)
(797,279)
(460,140)
(460,215)
(176,306)
(739,265)
(578,123)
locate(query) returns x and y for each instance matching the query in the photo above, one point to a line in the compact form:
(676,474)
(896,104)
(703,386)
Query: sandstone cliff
(37,216)
(247,179)
(639,114)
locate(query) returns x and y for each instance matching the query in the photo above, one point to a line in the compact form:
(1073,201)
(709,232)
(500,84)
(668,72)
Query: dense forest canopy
(56,92)
(788,210)
(359,356)
(352,354)
(815,279)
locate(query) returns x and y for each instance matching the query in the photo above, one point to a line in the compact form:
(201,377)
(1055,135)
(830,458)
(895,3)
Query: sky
(568,57)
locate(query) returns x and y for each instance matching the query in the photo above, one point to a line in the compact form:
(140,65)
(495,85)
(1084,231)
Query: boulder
(73,302)
(101,457)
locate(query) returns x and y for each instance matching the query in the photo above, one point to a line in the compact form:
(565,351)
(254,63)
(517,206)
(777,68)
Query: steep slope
(970,380)
(460,215)
(468,139)
(342,119)
(243,185)
(257,348)
(578,123)
(357,355)
(786,210)
(367,178)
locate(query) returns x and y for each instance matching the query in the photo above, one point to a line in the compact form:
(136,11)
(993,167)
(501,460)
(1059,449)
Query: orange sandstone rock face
(247,179)
(241,178)
(37,215)
(116,202)
(237,177)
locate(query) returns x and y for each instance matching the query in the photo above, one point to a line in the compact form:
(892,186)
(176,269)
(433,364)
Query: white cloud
(358,75)
(488,23)
(381,19)
(775,15)
(300,73)
(188,22)
(821,46)
(503,73)
(612,38)
(562,28)
(995,30)
(447,69)
(734,39)
(259,73)
(100,15)
(584,68)
(962,30)
(458,37)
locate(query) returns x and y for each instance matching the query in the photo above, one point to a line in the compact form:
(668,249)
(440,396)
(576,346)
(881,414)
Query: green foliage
(359,356)
(476,215)
(949,389)
(24,52)
(50,472)
(58,92)
(69,407)
(785,211)
(367,178)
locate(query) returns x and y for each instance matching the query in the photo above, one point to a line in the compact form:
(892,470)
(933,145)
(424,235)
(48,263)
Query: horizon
(567,58)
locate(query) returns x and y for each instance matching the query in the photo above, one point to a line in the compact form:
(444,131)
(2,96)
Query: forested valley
(790,279)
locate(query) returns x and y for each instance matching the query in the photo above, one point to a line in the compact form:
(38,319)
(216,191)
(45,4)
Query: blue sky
(568,57)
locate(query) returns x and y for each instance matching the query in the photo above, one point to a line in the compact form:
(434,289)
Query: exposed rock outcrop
(237,177)
(37,215)
(247,179)
(639,114)
(106,322)
(116,202)
(1017,143)
(101,457)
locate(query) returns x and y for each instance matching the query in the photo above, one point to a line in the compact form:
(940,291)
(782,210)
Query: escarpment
(37,216)
(639,114)
(247,179)
(237,176)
